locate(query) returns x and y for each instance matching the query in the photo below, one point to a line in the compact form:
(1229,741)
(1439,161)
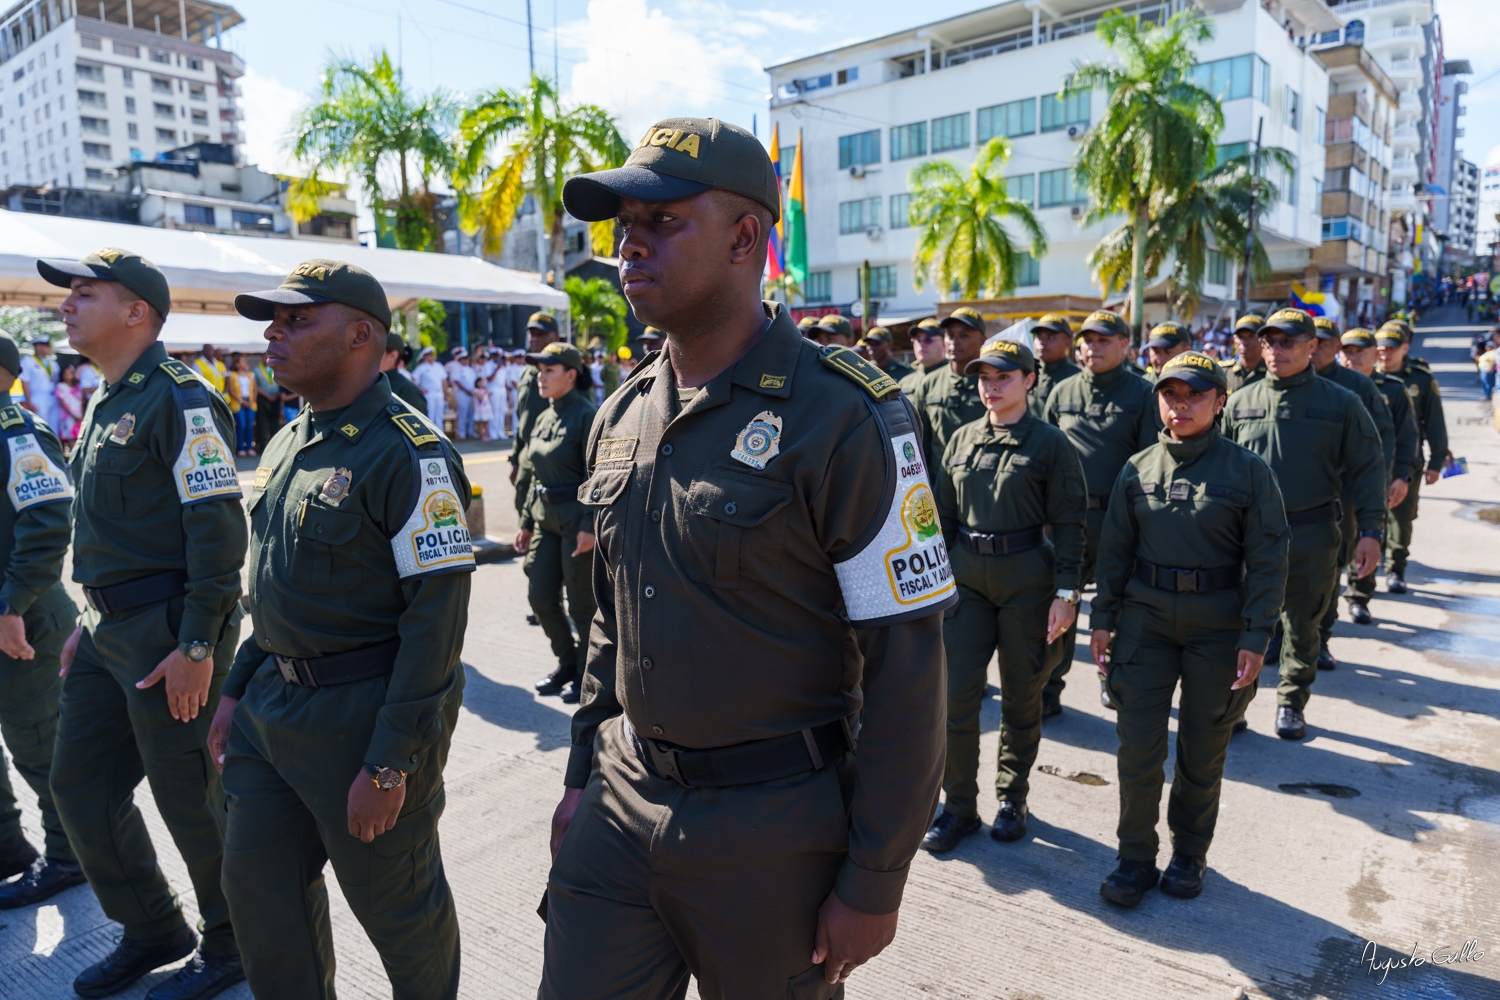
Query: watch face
(197,652)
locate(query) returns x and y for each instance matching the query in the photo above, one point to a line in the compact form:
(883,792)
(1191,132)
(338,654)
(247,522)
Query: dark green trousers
(111,735)
(293,753)
(29,694)
(1061,651)
(1002,605)
(551,570)
(1399,528)
(1310,588)
(1174,639)
(1348,537)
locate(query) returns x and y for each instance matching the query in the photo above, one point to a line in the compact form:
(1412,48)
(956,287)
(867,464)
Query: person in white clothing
(464,379)
(39,377)
(88,378)
(431,379)
(515,367)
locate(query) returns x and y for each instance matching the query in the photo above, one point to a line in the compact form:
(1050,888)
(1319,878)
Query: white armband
(436,536)
(204,469)
(34,479)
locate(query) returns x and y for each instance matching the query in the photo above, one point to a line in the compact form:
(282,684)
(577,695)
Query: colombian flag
(775,259)
(795,258)
(1315,303)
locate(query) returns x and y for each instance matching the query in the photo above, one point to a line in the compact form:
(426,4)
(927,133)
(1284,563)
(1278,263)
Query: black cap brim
(261,306)
(596,197)
(62,272)
(1294,331)
(1200,382)
(993,361)
(1161,343)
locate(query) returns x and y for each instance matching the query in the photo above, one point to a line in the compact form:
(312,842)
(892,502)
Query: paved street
(1383,826)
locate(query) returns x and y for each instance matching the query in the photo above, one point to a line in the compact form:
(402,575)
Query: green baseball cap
(110,264)
(1293,321)
(1168,335)
(1393,331)
(834,323)
(1106,322)
(1055,322)
(1006,355)
(1358,337)
(542,321)
(968,317)
(930,325)
(394,342)
(878,335)
(1249,321)
(678,158)
(560,353)
(10,355)
(807,323)
(316,281)
(1196,369)
(1325,328)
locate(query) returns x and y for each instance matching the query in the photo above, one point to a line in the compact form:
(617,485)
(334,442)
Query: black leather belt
(123,597)
(745,763)
(1098,503)
(1002,544)
(1187,581)
(1333,510)
(556,494)
(339,668)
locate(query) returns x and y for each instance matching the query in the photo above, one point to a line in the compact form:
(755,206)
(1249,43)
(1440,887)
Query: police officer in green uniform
(1166,342)
(1003,479)
(946,398)
(557,532)
(1109,414)
(541,330)
(36,615)
(1392,344)
(336,719)
(808,327)
(1249,365)
(1358,353)
(158,542)
(835,330)
(1052,343)
(879,341)
(401,386)
(771,575)
(1191,568)
(927,344)
(1319,440)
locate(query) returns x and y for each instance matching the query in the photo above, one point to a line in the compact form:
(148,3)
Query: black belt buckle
(1187,581)
(95,599)
(665,762)
(294,671)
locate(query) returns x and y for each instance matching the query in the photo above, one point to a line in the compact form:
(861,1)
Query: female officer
(1004,478)
(562,557)
(1191,574)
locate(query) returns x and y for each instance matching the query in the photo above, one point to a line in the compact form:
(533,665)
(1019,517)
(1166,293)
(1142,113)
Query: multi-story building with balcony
(87,88)
(1463,213)
(872,111)
(1448,157)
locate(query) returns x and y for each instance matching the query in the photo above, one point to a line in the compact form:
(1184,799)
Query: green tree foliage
(598,310)
(25,324)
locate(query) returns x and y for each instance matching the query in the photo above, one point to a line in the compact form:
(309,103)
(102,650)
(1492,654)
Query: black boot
(202,977)
(1359,613)
(1051,704)
(554,682)
(131,960)
(43,880)
(1325,658)
(572,694)
(947,830)
(1240,725)
(1010,821)
(1127,884)
(1290,725)
(1184,876)
(1395,583)
(16,855)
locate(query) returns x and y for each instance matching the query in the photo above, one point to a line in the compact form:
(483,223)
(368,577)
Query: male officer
(336,719)
(541,330)
(1167,340)
(927,343)
(1392,343)
(36,615)
(879,340)
(1250,365)
(1052,339)
(1358,353)
(946,398)
(158,542)
(1317,437)
(1109,415)
(834,329)
(401,386)
(755,496)
(808,327)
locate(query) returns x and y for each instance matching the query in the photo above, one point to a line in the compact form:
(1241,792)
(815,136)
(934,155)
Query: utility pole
(1250,229)
(530,48)
(864,298)
(556,73)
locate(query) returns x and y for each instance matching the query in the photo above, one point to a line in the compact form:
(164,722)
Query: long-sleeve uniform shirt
(35,522)
(138,449)
(769,559)
(358,537)
(1240,376)
(1427,404)
(1047,378)
(944,403)
(529,406)
(1369,394)
(1408,464)
(555,458)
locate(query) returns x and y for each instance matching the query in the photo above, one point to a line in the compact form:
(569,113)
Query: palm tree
(1157,135)
(597,310)
(964,242)
(542,145)
(366,122)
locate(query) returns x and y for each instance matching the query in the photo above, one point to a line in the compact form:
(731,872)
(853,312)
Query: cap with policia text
(542,321)
(806,323)
(1054,323)
(878,335)
(1293,321)
(834,323)
(130,269)
(1006,355)
(1325,328)
(1104,321)
(1393,332)
(1198,370)
(1358,337)
(10,355)
(678,158)
(1250,322)
(1168,335)
(968,317)
(315,281)
(929,327)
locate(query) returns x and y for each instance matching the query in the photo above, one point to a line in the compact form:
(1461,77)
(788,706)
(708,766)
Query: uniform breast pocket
(602,495)
(734,536)
(320,531)
(111,487)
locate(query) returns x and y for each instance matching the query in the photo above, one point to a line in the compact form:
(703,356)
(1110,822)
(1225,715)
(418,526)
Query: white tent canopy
(207,270)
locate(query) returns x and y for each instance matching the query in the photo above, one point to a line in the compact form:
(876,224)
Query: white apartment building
(870,112)
(87,88)
(1463,211)
(1448,157)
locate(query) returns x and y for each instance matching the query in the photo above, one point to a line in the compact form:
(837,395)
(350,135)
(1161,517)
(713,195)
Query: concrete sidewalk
(1383,826)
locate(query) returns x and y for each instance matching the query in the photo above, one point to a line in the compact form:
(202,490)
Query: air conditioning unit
(1077,211)
(1075,131)
(857,170)
(874,232)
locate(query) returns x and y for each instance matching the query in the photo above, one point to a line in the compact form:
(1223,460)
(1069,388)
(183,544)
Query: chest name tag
(613,450)
(988,462)
(204,469)
(436,536)
(1250,413)
(33,477)
(906,565)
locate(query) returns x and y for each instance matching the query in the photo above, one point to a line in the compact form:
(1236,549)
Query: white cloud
(269,107)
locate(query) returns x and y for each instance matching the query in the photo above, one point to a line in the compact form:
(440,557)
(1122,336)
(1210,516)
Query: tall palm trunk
(555,255)
(1138,273)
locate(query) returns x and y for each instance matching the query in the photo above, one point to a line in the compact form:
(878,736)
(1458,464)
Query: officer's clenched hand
(1431,476)
(523,540)
(847,938)
(13,638)
(1397,493)
(373,810)
(562,817)
(1247,671)
(218,730)
(70,647)
(1059,618)
(1099,649)
(187,684)
(585,543)
(1366,557)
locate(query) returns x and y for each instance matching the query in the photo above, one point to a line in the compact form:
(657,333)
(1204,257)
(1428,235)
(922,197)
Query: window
(788,157)
(96,150)
(91,99)
(93,174)
(200,118)
(98,126)
(1232,151)
(951,132)
(1028,270)
(136,156)
(883,282)
(166,135)
(126,49)
(250,220)
(203,137)
(333,225)
(128,75)
(1022,187)
(908,141)
(854,150)
(857,216)
(819,287)
(88,71)
(198,215)
(164,110)
(132,130)
(197,93)
(90,42)
(1009,120)
(195,64)
(814,83)
(900,211)
(1218,270)
(1291,110)
(1320,119)
(130,105)
(160,86)
(1231,79)
(158,56)
(1317,197)
(1073,109)
(1343,228)
(848,75)
(1057,188)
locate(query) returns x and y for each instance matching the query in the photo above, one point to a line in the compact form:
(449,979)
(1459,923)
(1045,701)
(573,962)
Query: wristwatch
(5,609)
(386,778)
(196,650)
(1376,534)
(1071,596)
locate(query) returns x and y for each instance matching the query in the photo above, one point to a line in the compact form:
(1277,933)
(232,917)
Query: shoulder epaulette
(11,416)
(181,373)
(844,361)
(1420,363)
(415,429)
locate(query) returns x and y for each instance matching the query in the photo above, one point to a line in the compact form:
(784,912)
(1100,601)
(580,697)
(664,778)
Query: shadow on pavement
(517,709)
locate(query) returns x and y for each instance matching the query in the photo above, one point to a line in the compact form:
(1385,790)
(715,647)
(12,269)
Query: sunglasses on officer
(928,336)
(1277,341)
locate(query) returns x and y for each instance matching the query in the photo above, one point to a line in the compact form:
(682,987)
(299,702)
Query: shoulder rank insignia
(181,373)
(136,378)
(844,361)
(124,429)
(336,489)
(10,416)
(760,441)
(413,427)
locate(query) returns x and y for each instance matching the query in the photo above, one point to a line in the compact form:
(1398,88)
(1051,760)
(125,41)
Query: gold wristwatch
(386,778)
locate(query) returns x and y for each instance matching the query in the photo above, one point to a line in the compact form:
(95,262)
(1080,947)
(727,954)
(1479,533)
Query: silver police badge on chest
(336,489)
(759,442)
(124,429)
